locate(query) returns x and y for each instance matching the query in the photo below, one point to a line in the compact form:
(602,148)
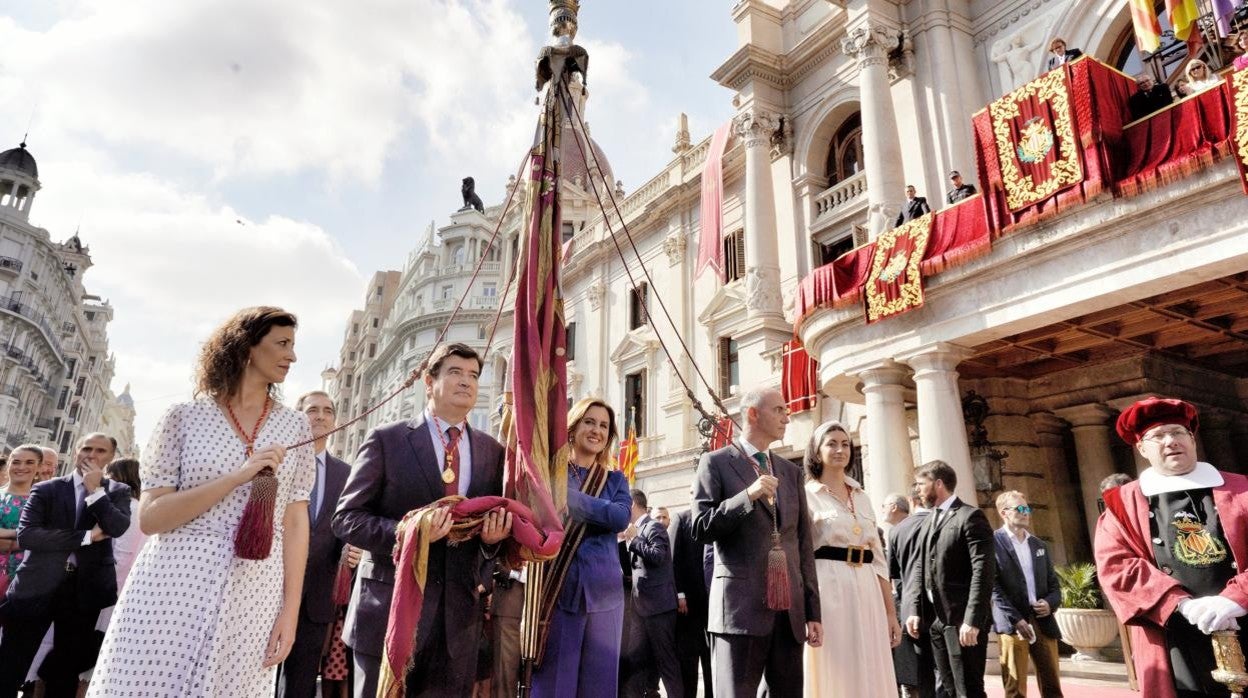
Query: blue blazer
(594,582)
(49,532)
(1009,593)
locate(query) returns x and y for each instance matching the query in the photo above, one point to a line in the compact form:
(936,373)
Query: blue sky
(222,153)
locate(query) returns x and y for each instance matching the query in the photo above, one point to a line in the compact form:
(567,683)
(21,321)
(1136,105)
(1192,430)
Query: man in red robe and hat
(1172,551)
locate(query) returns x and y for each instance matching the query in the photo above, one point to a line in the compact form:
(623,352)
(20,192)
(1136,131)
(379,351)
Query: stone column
(1215,431)
(755,127)
(889,466)
(869,44)
(942,430)
(1068,542)
(1093,448)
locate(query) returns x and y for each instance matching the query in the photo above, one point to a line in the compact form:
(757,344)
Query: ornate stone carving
(870,44)
(782,139)
(683,140)
(762,290)
(901,62)
(674,245)
(596,292)
(755,127)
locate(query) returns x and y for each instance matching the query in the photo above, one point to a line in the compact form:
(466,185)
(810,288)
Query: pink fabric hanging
(710,242)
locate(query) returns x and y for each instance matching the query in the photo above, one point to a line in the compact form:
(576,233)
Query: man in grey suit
(742,493)
(405,466)
(951,590)
(1023,600)
(652,615)
(317,612)
(912,659)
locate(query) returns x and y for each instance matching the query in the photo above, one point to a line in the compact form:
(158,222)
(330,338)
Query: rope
(419,370)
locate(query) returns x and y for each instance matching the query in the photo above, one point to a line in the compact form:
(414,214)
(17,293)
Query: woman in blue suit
(582,654)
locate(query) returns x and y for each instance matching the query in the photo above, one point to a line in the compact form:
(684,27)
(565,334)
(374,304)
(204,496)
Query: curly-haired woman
(194,619)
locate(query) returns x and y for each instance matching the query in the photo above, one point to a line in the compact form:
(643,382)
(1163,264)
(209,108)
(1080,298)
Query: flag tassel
(778,597)
(254,539)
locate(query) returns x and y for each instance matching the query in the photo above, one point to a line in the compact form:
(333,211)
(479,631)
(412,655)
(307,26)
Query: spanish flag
(1183,14)
(628,451)
(1147,28)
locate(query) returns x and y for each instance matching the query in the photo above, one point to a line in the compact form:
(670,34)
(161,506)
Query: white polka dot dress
(193,619)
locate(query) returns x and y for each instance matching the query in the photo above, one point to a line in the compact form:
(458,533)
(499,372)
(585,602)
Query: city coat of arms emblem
(1035,141)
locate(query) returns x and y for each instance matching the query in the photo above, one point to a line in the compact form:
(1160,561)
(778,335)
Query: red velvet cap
(1150,412)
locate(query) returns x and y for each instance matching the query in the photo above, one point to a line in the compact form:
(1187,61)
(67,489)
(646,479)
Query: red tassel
(342,583)
(778,597)
(254,540)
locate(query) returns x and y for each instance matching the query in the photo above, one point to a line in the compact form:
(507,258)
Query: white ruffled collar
(1202,476)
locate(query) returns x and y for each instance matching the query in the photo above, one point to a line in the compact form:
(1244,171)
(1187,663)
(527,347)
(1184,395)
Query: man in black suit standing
(912,659)
(743,494)
(951,591)
(652,616)
(961,190)
(914,207)
(1024,598)
(317,612)
(1149,97)
(404,466)
(68,575)
(689,570)
(1060,55)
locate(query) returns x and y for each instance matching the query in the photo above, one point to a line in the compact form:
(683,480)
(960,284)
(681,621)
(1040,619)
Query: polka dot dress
(193,620)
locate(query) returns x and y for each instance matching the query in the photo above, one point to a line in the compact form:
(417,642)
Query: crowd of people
(779,575)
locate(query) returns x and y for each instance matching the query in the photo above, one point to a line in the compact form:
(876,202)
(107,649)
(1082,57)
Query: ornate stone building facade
(837,107)
(56,368)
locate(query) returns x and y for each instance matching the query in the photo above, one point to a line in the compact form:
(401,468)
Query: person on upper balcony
(1060,55)
(1200,77)
(1150,97)
(914,207)
(1241,44)
(961,190)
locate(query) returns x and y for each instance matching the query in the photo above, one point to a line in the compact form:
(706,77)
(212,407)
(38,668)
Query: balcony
(14,305)
(841,203)
(44,423)
(11,265)
(11,391)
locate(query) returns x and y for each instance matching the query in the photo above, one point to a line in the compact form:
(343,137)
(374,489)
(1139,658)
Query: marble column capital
(756,126)
(1047,424)
(1090,415)
(882,376)
(871,43)
(941,356)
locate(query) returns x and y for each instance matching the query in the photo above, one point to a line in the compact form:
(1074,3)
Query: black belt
(854,555)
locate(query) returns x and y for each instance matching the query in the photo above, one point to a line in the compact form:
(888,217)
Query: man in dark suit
(688,570)
(68,575)
(1023,600)
(1060,55)
(652,616)
(405,466)
(742,493)
(914,207)
(1150,97)
(915,668)
(317,612)
(961,189)
(951,591)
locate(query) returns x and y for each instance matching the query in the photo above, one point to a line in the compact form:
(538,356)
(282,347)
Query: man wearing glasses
(1024,597)
(1172,551)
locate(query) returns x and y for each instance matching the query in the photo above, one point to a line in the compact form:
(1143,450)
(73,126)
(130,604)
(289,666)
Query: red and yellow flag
(1147,26)
(629,455)
(1183,14)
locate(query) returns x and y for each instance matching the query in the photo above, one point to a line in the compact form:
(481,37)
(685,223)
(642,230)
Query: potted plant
(1084,624)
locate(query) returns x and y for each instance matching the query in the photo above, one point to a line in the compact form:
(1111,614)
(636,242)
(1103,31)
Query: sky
(217,154)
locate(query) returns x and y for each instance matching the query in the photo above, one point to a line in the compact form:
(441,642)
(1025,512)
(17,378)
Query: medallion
(448,476)
(857,530)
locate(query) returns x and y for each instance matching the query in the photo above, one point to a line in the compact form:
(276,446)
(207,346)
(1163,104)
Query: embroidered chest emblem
(1193,545)
(1035,141)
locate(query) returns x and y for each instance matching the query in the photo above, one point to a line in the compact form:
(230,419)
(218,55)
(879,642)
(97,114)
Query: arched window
(845,156)
(1170,57)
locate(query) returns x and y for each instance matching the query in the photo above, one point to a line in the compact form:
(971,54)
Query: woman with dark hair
(196,618)
(584,584)
(859,617)
(127,547)
(23,464)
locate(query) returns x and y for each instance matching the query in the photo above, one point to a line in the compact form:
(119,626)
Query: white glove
(1210,613)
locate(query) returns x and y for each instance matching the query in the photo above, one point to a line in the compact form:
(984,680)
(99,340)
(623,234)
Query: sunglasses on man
(1021,508)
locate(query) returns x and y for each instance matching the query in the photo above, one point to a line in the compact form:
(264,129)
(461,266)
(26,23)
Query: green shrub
(1078,584)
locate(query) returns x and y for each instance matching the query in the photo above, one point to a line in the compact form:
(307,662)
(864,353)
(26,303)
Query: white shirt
(939,512)
(1022,549)
(439,450)
(750,450)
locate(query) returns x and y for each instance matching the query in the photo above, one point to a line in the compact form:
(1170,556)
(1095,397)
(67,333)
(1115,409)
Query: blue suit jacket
(1009,593)
(654,582)
(594,582)
(48,531)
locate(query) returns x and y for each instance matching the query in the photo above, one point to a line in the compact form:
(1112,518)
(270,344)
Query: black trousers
(689,673)
(652,655)
(74,645)
(297,677)
(740,662)
(961,668)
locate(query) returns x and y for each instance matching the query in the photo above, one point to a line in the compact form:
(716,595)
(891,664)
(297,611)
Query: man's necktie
(452,459)
(762,463)
(314,500)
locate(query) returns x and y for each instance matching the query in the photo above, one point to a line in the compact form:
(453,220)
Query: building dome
(125,400)
(571,146)
(21,160)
